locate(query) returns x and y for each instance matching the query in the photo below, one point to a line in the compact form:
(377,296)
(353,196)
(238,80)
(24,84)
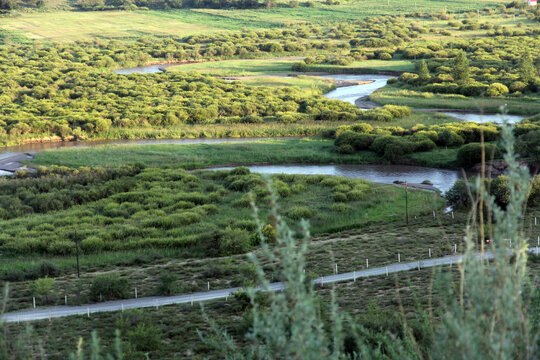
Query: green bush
(496,89)
(41,288)
(109,287)
(458,195)
(167,284)
(449,137)
(92,244)
(233,241)
(299,212)
(145,337)
(471,154)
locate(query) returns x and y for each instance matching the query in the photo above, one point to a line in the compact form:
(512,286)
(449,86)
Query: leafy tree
(460,68)
(526,69)
(423,74)
(8,4)
(41,288)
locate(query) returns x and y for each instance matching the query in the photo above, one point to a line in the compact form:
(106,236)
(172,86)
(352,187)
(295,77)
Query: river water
(351,93)
(37,147)
(442,179)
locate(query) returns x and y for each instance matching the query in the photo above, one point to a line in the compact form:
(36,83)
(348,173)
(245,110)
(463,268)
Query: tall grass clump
(486,317)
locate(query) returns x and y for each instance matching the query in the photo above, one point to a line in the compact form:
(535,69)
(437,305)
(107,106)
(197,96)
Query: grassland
(527,105)
(238,67)
(71,25)
(306,151)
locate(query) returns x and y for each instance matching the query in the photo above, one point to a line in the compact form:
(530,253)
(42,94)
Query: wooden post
(406,203)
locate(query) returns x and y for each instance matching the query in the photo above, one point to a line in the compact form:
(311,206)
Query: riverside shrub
(471,154)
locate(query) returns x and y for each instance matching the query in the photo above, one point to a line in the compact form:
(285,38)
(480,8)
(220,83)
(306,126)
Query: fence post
(398,257)
(135,293)
(208,286)
(367,263)
(65,299)
(455,248)
(336,269)
(429,252)
(354,276)
(34,301)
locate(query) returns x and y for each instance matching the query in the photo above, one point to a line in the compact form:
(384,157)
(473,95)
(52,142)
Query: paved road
(155,301)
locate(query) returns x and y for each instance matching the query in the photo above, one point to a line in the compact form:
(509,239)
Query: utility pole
(77,252)
(406,203)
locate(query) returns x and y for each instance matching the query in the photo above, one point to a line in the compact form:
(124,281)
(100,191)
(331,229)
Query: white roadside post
(34,301)
(429,252)
(367,263)
(354,276)
(398,257)
(135,293)
(387,271)
(208,286)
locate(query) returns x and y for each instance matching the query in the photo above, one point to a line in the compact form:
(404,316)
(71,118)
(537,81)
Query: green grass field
(71,25)
(199,155)
(527,105)
(367,66)
(238,67)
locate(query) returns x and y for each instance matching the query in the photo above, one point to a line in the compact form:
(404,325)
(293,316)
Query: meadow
(71,25)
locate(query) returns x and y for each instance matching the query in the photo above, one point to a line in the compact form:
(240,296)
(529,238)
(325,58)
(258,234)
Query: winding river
(441,179)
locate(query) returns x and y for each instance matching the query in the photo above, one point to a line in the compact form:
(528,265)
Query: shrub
(48,269)
(92,244)
(299,212)
(449,137)
(167,284)
(41,288)
(496,89)
(355,195)
(339,207)
(398,111)
(145,337)
(499,189)
(109,287)
(458,195)
(471,154)
(385,56)
(233,241)
(61,247)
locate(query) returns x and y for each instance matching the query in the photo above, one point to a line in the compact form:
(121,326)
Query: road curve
(156,301)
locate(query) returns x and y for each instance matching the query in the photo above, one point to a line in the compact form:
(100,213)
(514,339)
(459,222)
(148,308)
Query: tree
(424,71)
(526,68)
(8,4)
(460,68)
